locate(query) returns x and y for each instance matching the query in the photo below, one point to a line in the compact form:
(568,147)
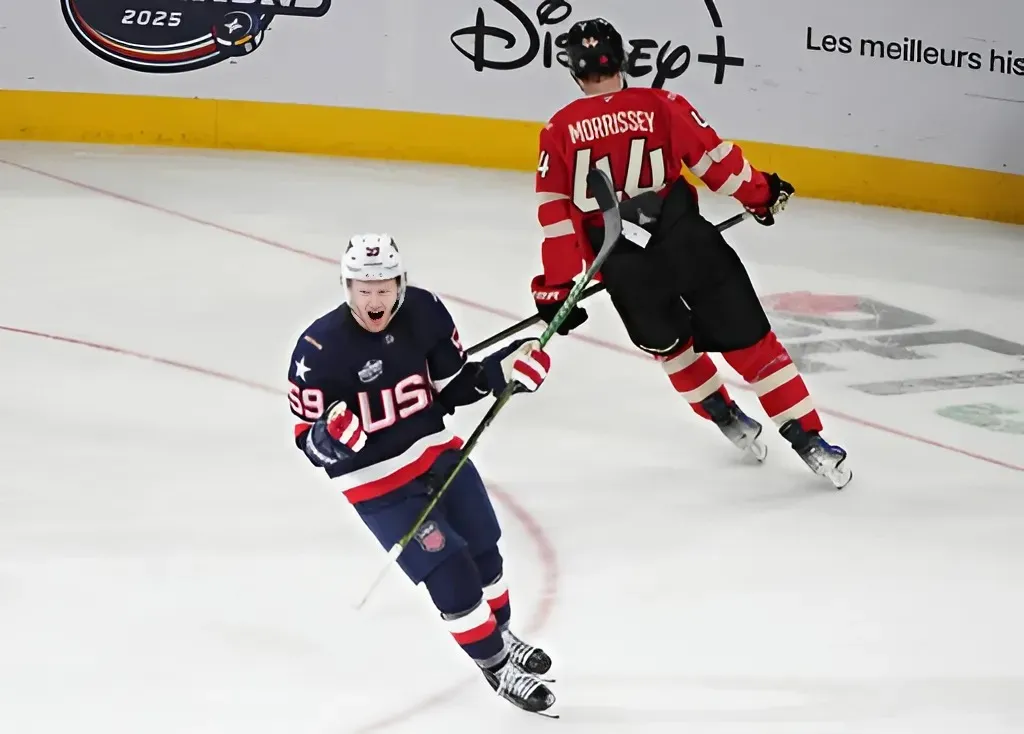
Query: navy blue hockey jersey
(390,380)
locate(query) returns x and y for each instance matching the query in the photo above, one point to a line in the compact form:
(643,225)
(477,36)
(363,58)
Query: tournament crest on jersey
(371,370)
(430,537)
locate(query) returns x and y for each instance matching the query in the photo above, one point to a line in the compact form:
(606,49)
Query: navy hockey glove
(522,362)
(337,436)
(779,192)
(549,298)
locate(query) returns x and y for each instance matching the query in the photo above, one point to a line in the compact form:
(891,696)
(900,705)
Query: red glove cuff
(543,293)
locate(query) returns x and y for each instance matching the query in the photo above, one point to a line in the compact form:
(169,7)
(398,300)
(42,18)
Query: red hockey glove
(549,298)
(523,362)
(778,197)
(337,436)
(343,426)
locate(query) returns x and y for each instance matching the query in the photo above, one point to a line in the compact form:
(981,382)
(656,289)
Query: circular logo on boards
(170,36)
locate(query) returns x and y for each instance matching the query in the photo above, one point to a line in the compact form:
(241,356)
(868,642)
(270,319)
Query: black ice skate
(823,458)
(737,426)
(520,688)
(529,658)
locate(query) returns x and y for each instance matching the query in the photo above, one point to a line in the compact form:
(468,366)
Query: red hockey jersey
(641,138)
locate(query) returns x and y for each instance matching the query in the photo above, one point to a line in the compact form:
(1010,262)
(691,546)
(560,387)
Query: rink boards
(864,103)
(473,141)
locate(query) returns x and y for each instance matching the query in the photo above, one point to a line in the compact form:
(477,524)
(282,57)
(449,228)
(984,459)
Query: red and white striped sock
(694,376)
(768,368)
(496,594)
(478,634)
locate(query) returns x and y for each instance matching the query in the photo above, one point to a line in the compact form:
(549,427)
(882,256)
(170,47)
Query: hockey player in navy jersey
(371,383)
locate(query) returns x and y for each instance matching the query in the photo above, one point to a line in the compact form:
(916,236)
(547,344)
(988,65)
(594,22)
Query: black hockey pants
(686,283)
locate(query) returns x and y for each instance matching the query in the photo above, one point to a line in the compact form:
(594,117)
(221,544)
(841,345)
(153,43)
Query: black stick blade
(603,189)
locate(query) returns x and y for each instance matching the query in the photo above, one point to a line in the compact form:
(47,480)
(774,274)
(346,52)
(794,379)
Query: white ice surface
(169,564)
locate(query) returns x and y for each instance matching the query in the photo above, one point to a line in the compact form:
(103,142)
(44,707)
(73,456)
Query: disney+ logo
(667,60)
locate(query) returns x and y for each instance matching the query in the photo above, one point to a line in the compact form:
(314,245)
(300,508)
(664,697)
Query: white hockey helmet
(373,257)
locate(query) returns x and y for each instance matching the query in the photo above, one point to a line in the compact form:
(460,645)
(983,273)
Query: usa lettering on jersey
(411,395)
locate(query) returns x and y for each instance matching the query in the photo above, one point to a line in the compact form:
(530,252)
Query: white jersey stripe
(383,469)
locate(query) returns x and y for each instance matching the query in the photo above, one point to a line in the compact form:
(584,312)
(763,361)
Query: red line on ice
(492,310)
(535,531)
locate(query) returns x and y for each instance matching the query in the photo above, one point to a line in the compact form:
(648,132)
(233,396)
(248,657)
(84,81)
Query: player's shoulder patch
(310,340)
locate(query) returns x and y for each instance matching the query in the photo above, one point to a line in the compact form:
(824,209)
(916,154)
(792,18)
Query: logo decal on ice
(892,352)
(430,537)
(990,416)
(171,36)
(371,370)
(815,326)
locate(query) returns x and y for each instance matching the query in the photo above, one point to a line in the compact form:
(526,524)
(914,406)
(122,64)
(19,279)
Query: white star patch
(301,369)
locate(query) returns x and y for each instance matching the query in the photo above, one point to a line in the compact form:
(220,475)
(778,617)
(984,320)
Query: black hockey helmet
(595,48)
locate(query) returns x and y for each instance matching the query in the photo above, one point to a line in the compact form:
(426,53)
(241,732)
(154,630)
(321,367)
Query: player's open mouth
(376,315)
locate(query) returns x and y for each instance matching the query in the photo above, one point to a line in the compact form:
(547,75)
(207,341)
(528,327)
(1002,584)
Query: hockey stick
(536,319)
(604,191)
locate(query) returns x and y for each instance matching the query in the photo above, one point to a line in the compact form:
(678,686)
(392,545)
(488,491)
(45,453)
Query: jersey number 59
(307,403)
(634,168)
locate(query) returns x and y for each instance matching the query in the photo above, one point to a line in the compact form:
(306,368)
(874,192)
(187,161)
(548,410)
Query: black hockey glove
(549,299)
(779,193)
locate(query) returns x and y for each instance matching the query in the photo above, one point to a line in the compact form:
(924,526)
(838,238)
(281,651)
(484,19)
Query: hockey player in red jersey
(679,288)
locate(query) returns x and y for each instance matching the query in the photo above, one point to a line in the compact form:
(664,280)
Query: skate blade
(756,448)
(759,450)
(551,712)
(840,476)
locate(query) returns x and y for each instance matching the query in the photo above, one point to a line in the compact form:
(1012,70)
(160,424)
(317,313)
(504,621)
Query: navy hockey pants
(463,520)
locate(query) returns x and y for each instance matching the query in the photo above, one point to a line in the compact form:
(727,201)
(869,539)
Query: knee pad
(455,585)
(490,565)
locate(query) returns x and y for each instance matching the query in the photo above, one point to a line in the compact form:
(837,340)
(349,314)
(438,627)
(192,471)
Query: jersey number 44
(628,183)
